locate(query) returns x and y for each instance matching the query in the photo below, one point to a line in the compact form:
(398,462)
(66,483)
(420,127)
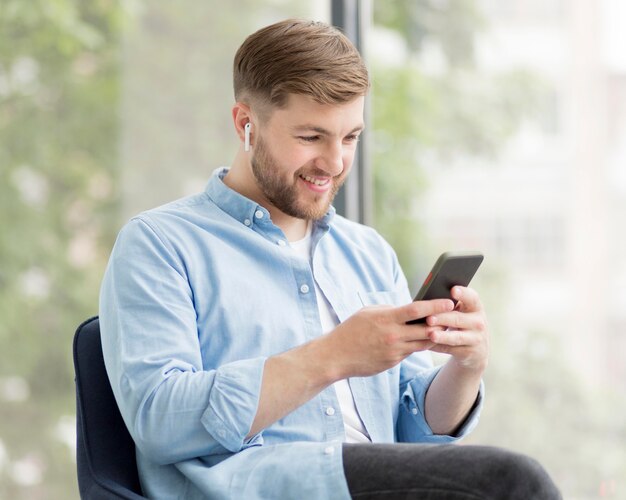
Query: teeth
(317,182)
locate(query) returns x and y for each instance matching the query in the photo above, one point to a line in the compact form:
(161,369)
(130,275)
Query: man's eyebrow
(321,130)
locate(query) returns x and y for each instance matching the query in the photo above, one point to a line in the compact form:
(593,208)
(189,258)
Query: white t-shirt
(355,430)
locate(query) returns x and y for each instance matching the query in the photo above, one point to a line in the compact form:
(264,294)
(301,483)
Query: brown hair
(298,57)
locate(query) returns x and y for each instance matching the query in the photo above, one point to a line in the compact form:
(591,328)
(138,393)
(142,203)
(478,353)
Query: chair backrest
(105,452)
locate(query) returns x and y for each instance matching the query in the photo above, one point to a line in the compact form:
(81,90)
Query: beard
(283,193)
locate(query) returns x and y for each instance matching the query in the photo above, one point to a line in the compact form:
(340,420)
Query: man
(257,343)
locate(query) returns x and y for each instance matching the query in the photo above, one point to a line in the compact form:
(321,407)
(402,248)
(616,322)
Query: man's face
(303,153)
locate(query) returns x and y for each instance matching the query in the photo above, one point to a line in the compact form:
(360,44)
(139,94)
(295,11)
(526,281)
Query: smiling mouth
(313,180)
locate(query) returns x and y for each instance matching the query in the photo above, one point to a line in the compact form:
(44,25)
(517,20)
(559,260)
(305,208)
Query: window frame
(355,199)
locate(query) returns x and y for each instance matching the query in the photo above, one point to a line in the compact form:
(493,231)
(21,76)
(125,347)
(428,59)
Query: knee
(526,477)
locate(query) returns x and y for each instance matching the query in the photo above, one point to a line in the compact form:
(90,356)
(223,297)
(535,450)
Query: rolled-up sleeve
(233,403)
(412,425)
(174,406)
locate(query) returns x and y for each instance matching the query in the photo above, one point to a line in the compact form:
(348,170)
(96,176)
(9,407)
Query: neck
(238,180)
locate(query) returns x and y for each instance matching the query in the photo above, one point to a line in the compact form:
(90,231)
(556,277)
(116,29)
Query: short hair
(295,56)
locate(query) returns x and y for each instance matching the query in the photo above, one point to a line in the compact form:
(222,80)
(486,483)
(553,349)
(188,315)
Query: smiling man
(257,343)
(301,156)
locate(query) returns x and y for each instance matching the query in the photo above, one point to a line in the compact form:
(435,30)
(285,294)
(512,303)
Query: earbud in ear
(246,134)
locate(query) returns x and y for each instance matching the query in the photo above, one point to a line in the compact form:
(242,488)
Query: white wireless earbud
(246,135)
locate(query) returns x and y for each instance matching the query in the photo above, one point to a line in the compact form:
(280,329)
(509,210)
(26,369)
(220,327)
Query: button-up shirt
(197,295)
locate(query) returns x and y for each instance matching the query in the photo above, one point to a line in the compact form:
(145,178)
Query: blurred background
(496,126)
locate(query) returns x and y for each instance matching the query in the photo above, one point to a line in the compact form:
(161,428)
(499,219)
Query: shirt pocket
(387,298)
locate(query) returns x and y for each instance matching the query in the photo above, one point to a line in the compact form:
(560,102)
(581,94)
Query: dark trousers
(450,472)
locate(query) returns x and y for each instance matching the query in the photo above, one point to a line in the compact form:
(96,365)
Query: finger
(459,321)
(412,334)
(453,320)
(467,299)
(453,338)
(422,309)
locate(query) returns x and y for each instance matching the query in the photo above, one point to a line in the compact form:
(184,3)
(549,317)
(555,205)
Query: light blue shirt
(197,295)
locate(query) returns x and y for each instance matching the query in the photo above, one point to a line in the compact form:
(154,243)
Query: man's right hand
(372,340)
(377,338)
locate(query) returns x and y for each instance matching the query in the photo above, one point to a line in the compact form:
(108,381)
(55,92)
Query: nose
(332,159)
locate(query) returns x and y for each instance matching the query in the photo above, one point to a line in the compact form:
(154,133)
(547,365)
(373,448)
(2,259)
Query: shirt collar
(244,209)
(230,201)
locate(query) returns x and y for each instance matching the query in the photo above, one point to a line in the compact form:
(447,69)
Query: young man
(257,343)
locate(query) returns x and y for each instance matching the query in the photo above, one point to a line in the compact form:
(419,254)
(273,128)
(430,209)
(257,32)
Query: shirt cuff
(414,407)
(471,421)
(233,404)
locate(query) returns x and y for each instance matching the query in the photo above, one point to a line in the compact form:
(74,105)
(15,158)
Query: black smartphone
(451,269)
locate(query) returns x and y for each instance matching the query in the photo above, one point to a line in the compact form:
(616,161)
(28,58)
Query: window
(106,108)
(499,126)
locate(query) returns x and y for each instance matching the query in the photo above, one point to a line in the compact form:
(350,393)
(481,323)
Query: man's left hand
(462,333)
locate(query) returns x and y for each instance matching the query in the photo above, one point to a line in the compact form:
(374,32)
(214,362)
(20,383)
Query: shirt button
(258,214)
(247,222)
(330,411)
(329,451)
(414,411)
(281,243)
(304,288)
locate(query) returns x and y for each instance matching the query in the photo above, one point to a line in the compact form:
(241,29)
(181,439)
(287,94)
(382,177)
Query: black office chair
(105,452)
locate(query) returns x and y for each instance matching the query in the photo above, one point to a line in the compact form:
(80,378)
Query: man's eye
(352,138)
(309,138)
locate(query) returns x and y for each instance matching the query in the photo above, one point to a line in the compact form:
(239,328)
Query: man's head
(299,87)
(297,57)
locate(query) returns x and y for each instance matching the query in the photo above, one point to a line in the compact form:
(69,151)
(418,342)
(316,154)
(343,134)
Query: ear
(242,115)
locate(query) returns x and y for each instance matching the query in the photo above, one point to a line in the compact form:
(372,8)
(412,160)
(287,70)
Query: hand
(367,343)
(462,333)
(377,338)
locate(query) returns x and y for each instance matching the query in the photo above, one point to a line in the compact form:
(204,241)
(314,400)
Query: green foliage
(535,404)
(458,111)
(60,202)
(58,134)
(398,139)
(450,24)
